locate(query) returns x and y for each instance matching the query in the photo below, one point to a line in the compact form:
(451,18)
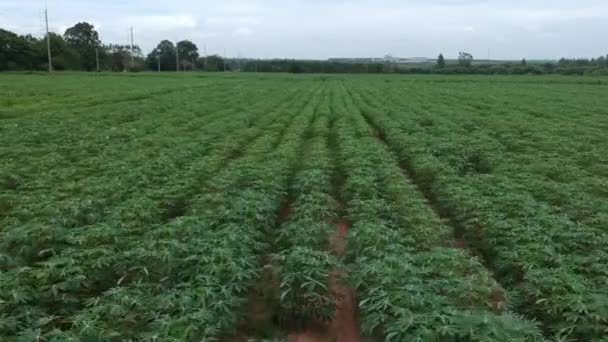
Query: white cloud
(242,32)
(232,20)
(327,28)
(163,22)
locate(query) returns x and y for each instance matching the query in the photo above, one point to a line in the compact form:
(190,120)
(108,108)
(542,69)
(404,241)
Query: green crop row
(411,284)
(159,207)
(554,268)
(304,259)
(66,266)
(104,160)
(550,140)
(130,197)
(205,263)
(41,94)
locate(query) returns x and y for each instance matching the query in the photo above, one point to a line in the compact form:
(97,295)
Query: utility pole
(177,56)
(225,59)
(239,61)
(48,39)
(97,57)
(205,51)
(158,58)
(132,50)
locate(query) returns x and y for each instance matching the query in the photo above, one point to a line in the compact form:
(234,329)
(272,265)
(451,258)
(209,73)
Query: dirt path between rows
(345,325)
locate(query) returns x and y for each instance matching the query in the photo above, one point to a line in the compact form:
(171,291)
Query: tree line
(80,48)
(465,65)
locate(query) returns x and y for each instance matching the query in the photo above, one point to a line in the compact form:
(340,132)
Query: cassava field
(199,207)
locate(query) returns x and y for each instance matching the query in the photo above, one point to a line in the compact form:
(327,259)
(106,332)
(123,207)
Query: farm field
(201,207)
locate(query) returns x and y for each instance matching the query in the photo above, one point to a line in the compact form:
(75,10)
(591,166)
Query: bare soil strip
(345,325)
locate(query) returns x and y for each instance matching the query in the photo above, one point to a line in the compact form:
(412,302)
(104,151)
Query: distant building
(386,59)
(419,60)
(353,60)
(408,60)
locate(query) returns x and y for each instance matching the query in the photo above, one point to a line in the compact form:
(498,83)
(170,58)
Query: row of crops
(156,241)
(526,223)
(241,207)
(411,283)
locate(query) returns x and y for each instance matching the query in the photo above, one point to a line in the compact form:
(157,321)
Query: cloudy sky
(507,29)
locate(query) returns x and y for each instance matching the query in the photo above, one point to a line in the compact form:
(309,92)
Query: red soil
(285,211)
(259,317)
(498,299)
(460,243)
(313,334)
(345,325)
(338,241)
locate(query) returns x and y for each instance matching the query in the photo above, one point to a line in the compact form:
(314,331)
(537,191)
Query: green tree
(64,57)
(83,38)
(440,61)
(524,62)
(16,52)
(188,54)
(118,57)
(165,53)
(465,59)
(211,63)
(295,68)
